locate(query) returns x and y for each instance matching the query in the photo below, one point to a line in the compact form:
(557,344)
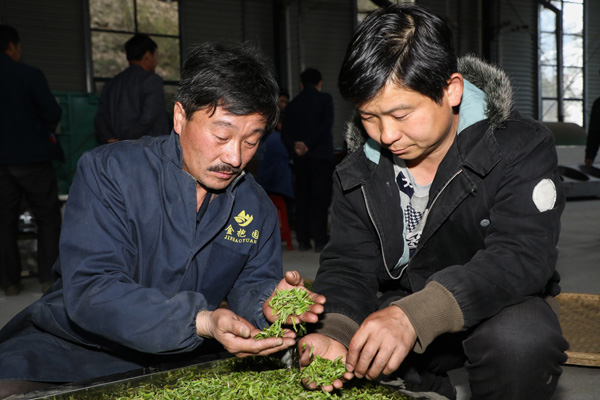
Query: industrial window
(113,22)
(561,61)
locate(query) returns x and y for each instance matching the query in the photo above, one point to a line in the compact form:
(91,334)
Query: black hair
(283,92)
(310,77)
(138,45)
(235,77)
(8,35)
(405,44)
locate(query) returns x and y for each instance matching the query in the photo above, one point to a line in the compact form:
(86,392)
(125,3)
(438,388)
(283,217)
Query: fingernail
(349,368)
(279,343)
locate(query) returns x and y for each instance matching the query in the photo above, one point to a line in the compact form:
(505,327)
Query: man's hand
(300,148)
(326,347)
(588,162)
(381,343)
(293,279)
(237,335)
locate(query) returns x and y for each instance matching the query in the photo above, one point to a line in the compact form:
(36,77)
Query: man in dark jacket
(29,115)
(445,222)
(593,136)
(132,104)
(307,124)
(157,233)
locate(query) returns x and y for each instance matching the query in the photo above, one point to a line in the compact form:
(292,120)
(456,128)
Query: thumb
(240,328)
(293,278)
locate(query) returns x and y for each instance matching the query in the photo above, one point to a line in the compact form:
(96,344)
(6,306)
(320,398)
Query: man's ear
(13,50)
(178,118)
(455,88)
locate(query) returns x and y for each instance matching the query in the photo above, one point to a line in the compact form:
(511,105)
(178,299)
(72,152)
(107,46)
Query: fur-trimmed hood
(490,79)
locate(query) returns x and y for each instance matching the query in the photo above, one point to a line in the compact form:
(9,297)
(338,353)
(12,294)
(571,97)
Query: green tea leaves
(323,371)
(286,303)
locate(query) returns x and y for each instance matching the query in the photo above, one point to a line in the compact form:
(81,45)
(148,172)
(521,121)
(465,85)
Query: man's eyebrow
(220,122)
(227,124)
(401,107)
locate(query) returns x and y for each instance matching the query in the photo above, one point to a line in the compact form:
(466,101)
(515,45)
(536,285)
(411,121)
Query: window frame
(543,64)
(95,81)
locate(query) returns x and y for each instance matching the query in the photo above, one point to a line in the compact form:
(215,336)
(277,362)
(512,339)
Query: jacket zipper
(445,186)
(435,199)
(362,189)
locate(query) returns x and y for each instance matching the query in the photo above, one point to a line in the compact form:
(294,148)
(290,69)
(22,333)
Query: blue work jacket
(136,266)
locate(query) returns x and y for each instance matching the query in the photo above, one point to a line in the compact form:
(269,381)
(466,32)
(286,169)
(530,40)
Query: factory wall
(52,37)
(303,33)
(295,34)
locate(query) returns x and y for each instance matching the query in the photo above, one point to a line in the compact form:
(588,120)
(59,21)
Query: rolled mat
(580,323)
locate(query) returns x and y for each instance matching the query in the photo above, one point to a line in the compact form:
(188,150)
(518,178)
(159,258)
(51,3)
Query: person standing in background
(307,133)
(29,115)
(593,136)
(132,104)
(274,172)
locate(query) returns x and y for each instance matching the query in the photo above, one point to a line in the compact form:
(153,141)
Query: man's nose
(389,132)
(232,154)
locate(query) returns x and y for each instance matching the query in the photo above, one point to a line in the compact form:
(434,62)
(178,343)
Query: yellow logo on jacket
(241,235)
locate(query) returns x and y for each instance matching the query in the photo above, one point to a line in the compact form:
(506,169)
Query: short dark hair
(8,35)
(403,43)
(310,77)
(236,77)
(138,45)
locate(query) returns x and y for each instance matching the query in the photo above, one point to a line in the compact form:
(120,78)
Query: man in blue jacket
(445,222)
(29,115)
(157,233)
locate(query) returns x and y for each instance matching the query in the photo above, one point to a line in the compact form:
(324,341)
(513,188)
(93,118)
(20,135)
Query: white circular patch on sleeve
(544,195)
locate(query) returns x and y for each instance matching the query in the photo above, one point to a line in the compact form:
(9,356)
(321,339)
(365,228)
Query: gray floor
(579,265)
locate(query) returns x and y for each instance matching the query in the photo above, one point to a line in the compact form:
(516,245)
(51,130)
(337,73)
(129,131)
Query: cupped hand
(316,344)
(237,334)
(291,280)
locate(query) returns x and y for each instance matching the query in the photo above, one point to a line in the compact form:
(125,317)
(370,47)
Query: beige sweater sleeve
(338,327)
(432,312)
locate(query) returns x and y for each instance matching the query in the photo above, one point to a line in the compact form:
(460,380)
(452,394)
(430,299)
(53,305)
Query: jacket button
(485,222)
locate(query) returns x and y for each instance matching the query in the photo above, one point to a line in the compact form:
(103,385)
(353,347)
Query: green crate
(75,133)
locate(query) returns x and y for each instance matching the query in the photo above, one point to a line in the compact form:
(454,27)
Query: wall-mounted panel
(52,38)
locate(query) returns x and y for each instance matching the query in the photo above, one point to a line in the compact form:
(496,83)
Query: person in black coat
(29,115)
(307,125)
(593,136)
(132,104)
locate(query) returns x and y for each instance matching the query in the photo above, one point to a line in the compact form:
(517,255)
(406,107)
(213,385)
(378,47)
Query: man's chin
(217,185)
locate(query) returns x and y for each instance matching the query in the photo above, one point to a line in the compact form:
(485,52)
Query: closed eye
(400,117)
(366,117)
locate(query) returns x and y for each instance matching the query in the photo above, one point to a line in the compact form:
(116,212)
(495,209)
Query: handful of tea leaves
(285,303)
(323,371)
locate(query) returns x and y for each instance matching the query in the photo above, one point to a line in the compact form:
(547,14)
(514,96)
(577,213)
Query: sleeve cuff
(337,326)
(432,312)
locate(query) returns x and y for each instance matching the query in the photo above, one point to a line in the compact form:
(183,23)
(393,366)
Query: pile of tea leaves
(249,378)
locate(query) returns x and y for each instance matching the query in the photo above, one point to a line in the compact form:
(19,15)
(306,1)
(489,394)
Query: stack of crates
(75,133)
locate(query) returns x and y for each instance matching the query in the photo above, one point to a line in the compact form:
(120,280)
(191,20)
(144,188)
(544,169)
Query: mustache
(224,168)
